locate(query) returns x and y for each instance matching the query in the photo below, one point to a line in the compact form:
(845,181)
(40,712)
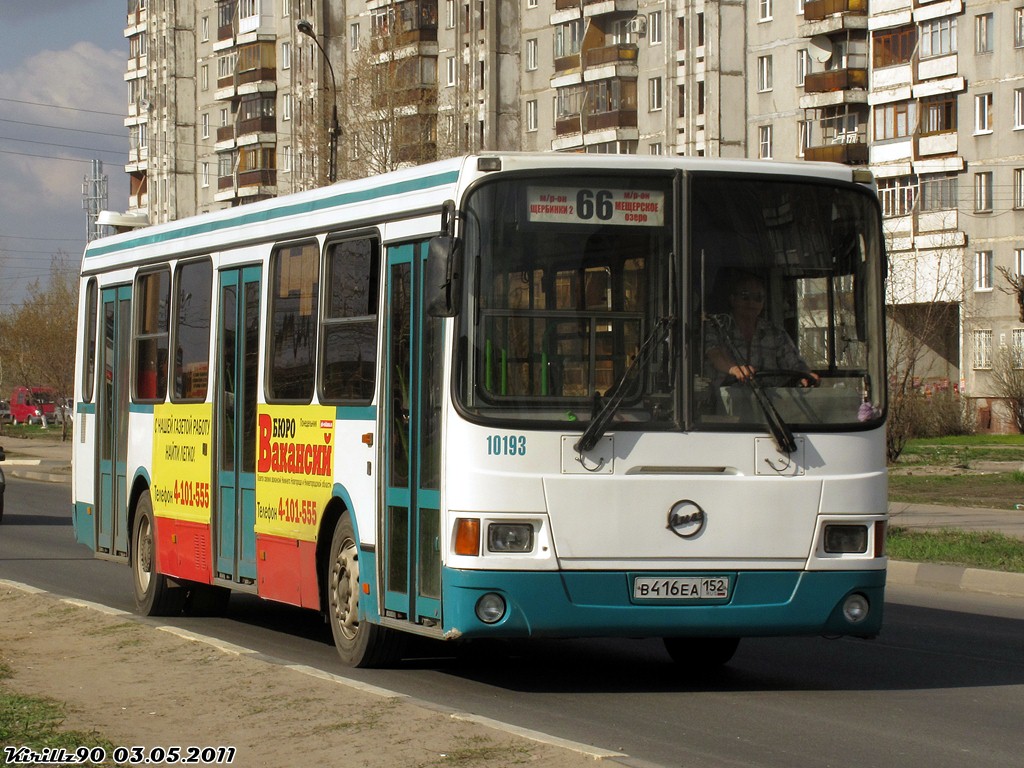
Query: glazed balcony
(818,10)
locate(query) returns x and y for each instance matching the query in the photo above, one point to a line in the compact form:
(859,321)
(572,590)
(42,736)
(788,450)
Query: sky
(62,104)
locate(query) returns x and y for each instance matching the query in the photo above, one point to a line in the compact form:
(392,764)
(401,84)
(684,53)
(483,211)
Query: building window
(1018,188)
(764,10)
(204,27)
(1017,350)
(286,107)
(982,349)
(531,115)
(1018,27)
(654,95)
(286,158)
(805,135)
(531,54)
(897,195)
(656,149)
(893,46)
(983,270)
(1018,108)
(938,193)
(938,114)
(938,37)
(803,66)
(204,77)
(764,142)
(983,192)
(353,37)
(764,73)
(568,38)
(894,121)
(1018,262)
(205,168)
(205,122)
(654,29)
(286,55)
(450,70)
(983,113)
(984,33)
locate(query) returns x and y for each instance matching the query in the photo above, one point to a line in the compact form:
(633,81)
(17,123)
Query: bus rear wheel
(701,653)
(359,643)
(154,595)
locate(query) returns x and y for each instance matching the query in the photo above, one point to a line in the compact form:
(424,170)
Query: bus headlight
(846,539)
(490,608)
(510,537)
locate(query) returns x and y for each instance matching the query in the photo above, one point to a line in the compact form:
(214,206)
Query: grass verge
(999,490)
(36,723)
(991,551)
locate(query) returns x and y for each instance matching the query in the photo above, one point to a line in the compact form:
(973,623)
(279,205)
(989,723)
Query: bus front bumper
(602,604)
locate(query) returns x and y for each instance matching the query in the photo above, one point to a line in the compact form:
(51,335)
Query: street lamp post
(332,170)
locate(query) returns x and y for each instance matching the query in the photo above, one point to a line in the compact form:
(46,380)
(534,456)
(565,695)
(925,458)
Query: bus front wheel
(154,596)
(701,652)
(359,643)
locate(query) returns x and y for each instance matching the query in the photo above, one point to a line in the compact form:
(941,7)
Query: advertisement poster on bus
(182,456)
(294,469)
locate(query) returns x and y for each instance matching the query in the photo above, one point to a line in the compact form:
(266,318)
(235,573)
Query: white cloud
(81,77)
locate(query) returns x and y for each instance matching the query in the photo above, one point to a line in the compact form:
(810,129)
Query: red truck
(32,405)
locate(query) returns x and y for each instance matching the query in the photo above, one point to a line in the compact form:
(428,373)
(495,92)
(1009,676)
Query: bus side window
(153,292)
(295,276)
(348,360)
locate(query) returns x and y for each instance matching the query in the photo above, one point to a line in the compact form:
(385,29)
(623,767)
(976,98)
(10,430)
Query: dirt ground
(134,684)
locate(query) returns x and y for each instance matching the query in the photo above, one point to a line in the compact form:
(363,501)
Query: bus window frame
(90,337)
(174,325)
(137,336)
(271,299)
(374,235)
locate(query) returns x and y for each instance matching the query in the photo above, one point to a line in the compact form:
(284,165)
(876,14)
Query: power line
(58,106)
(63,128)
(63,146)
(44,157)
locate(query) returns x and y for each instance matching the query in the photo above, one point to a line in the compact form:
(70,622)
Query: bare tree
(1007,378)
(922,334)
(391,96)
(37,336)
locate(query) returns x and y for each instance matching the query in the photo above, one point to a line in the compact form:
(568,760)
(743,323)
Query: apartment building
(230,102)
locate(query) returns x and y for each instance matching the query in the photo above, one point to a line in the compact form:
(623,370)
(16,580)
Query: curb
(955,578)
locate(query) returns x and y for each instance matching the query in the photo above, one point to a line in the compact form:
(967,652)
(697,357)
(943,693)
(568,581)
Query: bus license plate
(681,588)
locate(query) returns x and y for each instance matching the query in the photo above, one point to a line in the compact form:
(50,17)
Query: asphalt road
(942,686)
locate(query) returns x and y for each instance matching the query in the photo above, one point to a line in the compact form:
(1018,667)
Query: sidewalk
(49,460)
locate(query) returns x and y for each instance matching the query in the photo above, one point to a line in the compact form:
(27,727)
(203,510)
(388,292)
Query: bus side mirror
(443,287)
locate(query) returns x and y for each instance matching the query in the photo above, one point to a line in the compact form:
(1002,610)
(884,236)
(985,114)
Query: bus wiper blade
(780,430)
(599,424)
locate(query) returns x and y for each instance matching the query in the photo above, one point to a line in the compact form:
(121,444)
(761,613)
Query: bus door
(235,418)
(410,563)
(112,423)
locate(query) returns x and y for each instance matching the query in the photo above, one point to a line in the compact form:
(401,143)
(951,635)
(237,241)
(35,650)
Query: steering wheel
(785,377)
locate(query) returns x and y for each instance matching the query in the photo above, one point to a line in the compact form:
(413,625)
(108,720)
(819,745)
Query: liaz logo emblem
(686,519)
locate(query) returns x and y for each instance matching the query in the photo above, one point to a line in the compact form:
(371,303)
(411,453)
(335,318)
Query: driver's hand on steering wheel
(742,372)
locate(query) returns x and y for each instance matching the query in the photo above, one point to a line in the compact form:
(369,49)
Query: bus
(473,400)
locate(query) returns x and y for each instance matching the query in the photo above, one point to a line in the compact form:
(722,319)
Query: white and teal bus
(474,400)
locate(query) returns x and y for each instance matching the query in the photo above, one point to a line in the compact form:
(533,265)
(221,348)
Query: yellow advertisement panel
(182,461)
(294,468)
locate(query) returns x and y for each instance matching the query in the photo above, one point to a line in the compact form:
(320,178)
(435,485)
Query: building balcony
(836,80)
(225,133)
(574,61)
(259,74)
(931,144)
(611,54)
(852,151)
(254,125)
(817,10)
(599,7)
(564,5)
(597,121)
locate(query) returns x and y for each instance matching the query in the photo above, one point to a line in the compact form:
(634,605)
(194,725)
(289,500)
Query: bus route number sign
(578,205)
(681,588)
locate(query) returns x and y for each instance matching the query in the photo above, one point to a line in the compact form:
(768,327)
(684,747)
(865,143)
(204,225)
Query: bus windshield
(625,291)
